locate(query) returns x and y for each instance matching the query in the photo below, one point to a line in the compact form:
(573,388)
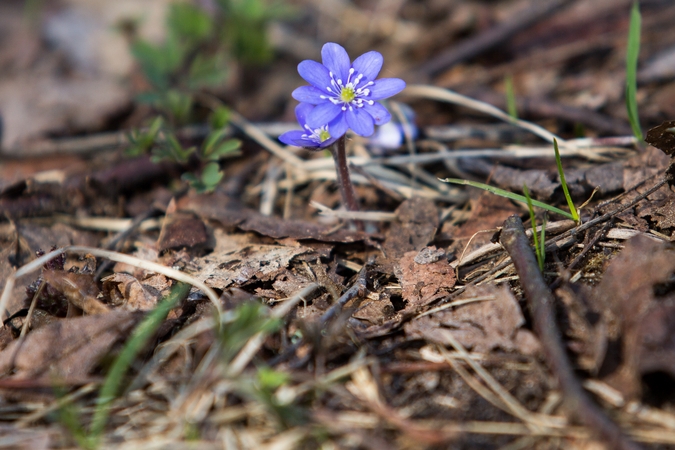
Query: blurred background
(73,67)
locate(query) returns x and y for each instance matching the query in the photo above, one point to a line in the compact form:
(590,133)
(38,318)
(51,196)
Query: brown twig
(541,303)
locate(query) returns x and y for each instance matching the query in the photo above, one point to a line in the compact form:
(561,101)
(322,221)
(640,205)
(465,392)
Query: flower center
(348,94)
(324,135)
(318,135)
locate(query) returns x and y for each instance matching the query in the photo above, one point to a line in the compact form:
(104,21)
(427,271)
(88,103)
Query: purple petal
(322,114)
(315,74)
(338,127)
(378,112)
(360,122)
(368,64)
(336,59)
(386,87)
(309,94)
(302,111)
(292,138)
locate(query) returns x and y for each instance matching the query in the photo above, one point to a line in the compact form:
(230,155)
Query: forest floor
(253,311)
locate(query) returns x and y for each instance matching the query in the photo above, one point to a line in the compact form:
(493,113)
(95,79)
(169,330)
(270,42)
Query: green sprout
(139,338)
(573,214)
(511,105)
(539,248)
(632,54)
(568,197)
(509,195)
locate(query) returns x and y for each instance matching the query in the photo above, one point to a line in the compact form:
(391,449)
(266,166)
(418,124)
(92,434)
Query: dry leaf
(423,283)
(252,262)
(68,348)
(126,290)
(79,288)
(492,323)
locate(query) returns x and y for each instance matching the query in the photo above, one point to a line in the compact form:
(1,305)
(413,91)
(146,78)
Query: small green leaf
(142,141)
(542,239)
(509,195)
(211,141)
(511,104)
(211,175)
(171,149)
(568,197)
(270,379)
(220,117)
(632,53)
(179,104)
(207,71)
(535,239)
(227,148)
(188,21)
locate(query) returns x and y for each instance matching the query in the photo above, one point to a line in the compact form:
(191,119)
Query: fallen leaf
(79,288)
(183,230)
(231,213)
(68,348)
(416,225)
(626,295)
(663,137)
(494,321)
(131,294)
(488,212)
(423,283)
(220,270)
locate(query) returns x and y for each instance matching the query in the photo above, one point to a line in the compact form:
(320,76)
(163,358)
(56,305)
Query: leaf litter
(331,336)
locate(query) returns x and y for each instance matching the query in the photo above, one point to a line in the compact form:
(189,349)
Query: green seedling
(568,197)
(632,53)
(142,140)
(509,195)
(573,214)
(138,340)
(511,105)
(539,248)
(207,180)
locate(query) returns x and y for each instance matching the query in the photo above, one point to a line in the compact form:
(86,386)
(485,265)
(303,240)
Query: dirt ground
(203,287)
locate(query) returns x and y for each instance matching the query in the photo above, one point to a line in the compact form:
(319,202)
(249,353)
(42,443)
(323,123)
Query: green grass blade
(542,239)
(570,203)
(138,339)
(509,195)
(511,105)
(533,223)
(632,53)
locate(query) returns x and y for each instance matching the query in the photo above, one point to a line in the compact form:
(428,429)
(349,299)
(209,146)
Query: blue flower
(346,91)
(320,137)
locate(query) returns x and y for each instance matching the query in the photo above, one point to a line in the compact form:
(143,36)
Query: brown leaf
(663,137)
(494,322)
(626,295)
(488,212)
(241,265)
(69,348)
(79,288)
(132,294)
(661,211)
(231,213)
(416,226)
(182,230)
(423,283)
(584,327)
